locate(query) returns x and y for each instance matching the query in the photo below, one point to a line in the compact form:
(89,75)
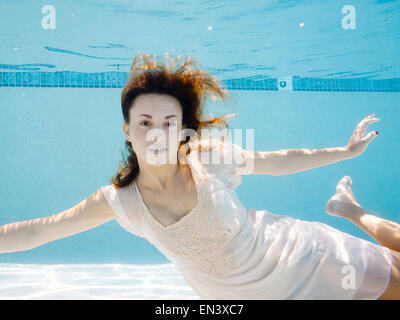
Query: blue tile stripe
(64,79)
(351,84)
(250,84)
(116,79)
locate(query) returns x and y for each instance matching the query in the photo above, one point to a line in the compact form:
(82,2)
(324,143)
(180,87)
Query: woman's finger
(370,136)
(365,125)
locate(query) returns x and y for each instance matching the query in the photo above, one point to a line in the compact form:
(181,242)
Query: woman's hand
(358,143)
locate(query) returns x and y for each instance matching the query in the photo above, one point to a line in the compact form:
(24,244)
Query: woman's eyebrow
(149,116)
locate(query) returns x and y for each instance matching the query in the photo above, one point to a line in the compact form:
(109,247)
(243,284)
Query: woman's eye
(170,124)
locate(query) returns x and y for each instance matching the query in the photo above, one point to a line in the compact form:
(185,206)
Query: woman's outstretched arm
(28,234)
(288,161)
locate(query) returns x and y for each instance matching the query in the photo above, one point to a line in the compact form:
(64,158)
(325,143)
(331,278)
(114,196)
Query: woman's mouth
(157,150)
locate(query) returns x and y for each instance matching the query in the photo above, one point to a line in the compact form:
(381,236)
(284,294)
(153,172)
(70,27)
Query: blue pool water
(299,77)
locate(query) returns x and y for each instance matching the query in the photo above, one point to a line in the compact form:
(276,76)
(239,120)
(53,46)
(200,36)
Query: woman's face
(155,123)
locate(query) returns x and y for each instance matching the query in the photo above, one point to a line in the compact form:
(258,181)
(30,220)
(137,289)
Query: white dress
(225,251)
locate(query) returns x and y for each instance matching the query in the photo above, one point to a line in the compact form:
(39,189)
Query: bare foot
(343,203)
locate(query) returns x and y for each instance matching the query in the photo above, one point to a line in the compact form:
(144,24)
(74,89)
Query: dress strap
(202,177)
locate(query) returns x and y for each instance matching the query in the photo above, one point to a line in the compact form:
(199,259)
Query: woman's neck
(157,178)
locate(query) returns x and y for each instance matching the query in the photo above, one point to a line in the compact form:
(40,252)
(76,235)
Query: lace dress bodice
(202,238)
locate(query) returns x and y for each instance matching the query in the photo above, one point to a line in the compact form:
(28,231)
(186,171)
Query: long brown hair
(190,87)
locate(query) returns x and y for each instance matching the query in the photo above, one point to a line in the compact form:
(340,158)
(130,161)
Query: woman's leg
(386,232)
(392,291)
(344,204)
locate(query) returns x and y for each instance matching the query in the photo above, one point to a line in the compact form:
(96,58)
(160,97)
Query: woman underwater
(223,250)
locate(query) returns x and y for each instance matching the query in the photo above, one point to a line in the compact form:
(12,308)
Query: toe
(342,184)
(347,179)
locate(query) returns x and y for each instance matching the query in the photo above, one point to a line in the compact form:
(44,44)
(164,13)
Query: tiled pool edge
(116,79)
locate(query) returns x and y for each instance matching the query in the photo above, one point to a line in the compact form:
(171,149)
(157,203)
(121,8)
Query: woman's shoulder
(124,203)
(212,144)
(219,159)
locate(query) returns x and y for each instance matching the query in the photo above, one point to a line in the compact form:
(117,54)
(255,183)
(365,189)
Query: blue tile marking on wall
(116,79)
(64,79)
(352,84)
